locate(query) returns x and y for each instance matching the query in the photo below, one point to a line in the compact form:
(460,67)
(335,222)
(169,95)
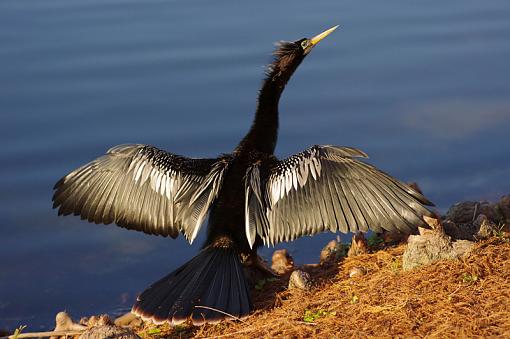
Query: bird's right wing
(327,188)
(142,188)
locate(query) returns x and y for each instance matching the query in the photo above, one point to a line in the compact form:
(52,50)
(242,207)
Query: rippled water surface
(422,87)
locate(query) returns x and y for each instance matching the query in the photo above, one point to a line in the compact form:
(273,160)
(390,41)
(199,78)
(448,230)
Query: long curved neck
(263,133)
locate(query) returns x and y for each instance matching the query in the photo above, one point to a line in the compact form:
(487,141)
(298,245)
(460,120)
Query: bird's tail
(210,287)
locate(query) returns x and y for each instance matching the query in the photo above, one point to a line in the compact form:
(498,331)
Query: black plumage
(252,199)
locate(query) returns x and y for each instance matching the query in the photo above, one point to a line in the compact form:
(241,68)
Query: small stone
(104,319)
(328,251)
(358,245)
(300,280)
(282,262)
(357,271)
(84,321)
(485,228)
(128,319)
(333,251)
(93,320)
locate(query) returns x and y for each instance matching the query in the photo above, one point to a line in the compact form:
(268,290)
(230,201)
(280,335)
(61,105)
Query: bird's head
(289,55)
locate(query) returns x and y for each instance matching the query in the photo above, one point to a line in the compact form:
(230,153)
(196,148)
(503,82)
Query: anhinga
(252,199)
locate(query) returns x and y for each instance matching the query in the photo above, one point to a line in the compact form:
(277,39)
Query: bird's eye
(304,44)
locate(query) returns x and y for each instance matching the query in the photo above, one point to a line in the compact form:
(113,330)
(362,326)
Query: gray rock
(432,246)
(468,211)
(110,332)
(481,228)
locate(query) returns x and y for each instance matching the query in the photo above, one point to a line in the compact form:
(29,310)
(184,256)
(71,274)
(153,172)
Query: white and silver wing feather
(142,188)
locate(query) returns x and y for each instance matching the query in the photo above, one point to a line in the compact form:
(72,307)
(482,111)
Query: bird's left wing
(327,188)
(143,188)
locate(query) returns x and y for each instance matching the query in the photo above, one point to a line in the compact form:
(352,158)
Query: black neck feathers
(264,130)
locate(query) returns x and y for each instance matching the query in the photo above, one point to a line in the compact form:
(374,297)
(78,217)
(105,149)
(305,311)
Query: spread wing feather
(327,188)
(142,188)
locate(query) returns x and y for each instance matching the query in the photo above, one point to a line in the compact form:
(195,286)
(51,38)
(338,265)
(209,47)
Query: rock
(434,223)
(454,231)
(282,262)
(300,280)
(462,247)
(358,245)
(467,211)
(357,271)
(481,228)
(431,246)
(333,251)
(98,327)
(92,321)
(504,208)
(104,319)
(109,331)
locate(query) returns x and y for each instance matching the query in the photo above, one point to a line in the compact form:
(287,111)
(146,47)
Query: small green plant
(342,251)
(374,240)
(180,328)
(499,231)
(153,331)
(310,316)
(396,265)
(468,278)
(18,331)
(262,282)
(354,299)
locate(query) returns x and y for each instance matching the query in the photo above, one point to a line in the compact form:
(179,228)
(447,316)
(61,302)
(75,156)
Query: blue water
(422,87)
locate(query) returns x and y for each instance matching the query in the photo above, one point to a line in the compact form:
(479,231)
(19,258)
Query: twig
(220,311)
(43,334)
(458,288)
(476,210)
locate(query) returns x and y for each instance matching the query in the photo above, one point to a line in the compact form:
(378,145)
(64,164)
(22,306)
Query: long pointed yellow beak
(315,40)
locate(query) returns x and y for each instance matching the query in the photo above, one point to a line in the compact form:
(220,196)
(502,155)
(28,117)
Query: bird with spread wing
(251,197)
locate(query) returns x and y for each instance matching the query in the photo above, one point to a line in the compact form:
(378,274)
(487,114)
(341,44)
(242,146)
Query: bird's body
(251,197)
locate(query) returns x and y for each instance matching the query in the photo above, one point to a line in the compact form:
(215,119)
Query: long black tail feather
(213,279)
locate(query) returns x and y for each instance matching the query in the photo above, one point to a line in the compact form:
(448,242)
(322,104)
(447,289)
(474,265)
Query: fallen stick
(43,334)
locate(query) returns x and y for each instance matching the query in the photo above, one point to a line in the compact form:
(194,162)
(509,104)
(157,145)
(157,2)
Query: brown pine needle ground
(461,298)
